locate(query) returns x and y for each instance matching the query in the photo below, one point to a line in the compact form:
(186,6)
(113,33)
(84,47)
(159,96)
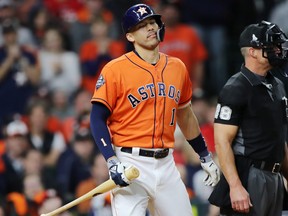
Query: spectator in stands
(16,144)
(100,205)
(39,21)
(60,69)
(34,193)
(182,41)
(62,108)
(33,162)
(97,52)
(8,13)
(24,10)
(19,74)
(211,18)
(31,200)
(51,203)
(50,143)
(79,30)
(74,164)
(81,106)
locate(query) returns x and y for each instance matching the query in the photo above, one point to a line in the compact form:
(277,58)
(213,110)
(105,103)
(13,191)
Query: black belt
(268,166)
(148,153)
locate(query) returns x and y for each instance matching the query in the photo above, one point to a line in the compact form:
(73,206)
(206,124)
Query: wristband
(205,159)
(199,145)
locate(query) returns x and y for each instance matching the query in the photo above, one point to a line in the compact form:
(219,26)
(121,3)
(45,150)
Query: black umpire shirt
(258,108)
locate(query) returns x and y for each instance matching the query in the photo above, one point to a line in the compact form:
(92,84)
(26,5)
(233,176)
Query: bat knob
(132,173)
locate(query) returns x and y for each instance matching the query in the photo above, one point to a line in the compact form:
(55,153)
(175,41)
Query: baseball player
(138,100)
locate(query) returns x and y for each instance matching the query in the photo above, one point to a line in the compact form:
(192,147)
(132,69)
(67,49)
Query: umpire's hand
(212,170)
(116,172)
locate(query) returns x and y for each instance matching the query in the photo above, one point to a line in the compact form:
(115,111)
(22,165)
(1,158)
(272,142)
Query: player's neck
(150,56)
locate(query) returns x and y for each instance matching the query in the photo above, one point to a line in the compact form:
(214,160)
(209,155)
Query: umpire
(250,128)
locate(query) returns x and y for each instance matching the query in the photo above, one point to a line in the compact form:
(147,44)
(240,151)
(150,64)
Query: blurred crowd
(51,54)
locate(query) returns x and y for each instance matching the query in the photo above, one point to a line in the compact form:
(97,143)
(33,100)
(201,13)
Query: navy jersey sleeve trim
(102,101)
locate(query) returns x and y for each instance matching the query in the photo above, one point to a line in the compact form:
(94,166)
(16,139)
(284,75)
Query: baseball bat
(108,185)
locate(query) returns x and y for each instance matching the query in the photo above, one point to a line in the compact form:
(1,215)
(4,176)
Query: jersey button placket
(159,110)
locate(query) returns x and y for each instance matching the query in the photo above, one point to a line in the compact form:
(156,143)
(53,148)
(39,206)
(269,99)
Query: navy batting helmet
(138,13)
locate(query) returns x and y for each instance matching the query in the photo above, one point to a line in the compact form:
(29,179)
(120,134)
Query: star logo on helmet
(142,10)
(254,38)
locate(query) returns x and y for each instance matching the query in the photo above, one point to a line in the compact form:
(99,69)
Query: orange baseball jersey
(143,99)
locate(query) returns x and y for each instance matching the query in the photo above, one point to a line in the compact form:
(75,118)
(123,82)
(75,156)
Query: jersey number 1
(172,117)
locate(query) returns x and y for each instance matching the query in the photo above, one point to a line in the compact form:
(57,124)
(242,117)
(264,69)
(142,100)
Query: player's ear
(130,37)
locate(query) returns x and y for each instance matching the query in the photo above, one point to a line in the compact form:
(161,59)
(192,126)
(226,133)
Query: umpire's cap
(261,34)
(136,14)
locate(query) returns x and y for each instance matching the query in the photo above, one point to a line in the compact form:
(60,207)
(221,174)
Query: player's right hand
(213,173)
(117,172)
(212,170)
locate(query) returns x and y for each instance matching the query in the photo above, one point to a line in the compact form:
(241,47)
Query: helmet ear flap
(161,32)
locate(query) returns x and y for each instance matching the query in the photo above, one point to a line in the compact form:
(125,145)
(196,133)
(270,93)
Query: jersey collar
(253,79)
(137,60)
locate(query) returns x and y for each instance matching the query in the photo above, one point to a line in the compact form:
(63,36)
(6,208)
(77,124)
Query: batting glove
(116,172)
(212,170)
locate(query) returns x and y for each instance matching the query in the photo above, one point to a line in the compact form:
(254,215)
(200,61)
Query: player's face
(145,34)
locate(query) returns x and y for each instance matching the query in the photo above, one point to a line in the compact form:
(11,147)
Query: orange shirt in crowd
(24,207)
(84,187)
(89,52)
(84,15)
(182,41)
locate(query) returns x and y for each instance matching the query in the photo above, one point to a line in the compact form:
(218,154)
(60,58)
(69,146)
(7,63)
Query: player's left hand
(212,170)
